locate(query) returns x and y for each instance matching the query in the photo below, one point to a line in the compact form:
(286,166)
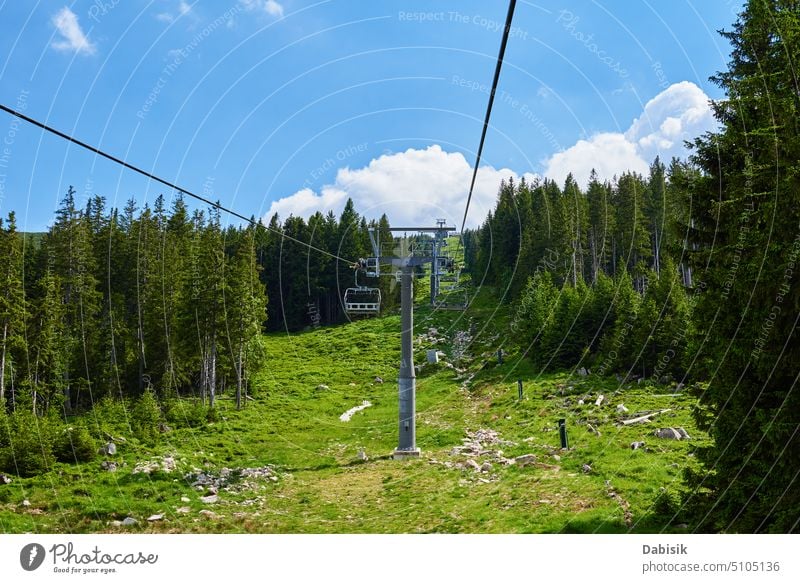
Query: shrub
(145,417)
(109,417)
(74,443)
(29,448)
(186,413)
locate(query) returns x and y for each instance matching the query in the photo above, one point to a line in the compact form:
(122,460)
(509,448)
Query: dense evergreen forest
(688,274)
(109,302)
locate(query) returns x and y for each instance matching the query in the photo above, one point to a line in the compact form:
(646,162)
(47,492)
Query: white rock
(183,510)
(622,408)
(155,518)
(667,433)
(525,460)
(109,448)
(130,522)
(600,400)
(26,503)
(470,463)
(212,499)
(185,499)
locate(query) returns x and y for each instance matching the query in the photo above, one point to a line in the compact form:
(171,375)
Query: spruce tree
(747,219)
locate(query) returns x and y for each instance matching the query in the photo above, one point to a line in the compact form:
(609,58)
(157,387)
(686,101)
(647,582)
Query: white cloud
(412,187)
(417,186)
(72,37)
(678,113)
(271,7)
(609,154)
(183,8)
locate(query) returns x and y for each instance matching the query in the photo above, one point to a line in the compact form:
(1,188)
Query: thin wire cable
(500,55)
(151,176)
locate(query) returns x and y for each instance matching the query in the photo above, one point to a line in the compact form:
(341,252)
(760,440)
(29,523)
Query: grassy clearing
(322,484)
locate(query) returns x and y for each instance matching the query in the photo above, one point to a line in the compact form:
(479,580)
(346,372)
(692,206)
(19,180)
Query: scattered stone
(155,518)
(362,455)
(593,429)
(164,428)
(183,510)
(378,380)
(600,400)
(322,387)
(208,514)
(486,467)
(26,503)
(581,402)
(527,459)
(185,499)
(115,523)
(108,466)
(130,522)
(556,457)
(108,449)
(4,479)
(351,385)
(470,463)
(622,408)
(583,372)
(587,469)
(166,464)
(667,433)
(638,444)
(212,499)
(683,433)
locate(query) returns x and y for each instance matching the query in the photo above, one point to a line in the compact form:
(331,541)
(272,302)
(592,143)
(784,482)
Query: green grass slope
(286,463)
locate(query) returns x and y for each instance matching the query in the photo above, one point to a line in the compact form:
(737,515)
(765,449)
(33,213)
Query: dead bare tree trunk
(3,367)
(212,381)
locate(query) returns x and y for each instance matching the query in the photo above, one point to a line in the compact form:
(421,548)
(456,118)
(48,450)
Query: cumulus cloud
(419,185)
(412,187)
(271,7)
(72,37)
(678,113)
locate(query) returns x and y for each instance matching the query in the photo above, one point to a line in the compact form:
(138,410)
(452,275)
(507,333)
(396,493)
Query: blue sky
(292,105)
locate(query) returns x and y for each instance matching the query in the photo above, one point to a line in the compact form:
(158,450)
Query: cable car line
(152,176)
(512,4)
